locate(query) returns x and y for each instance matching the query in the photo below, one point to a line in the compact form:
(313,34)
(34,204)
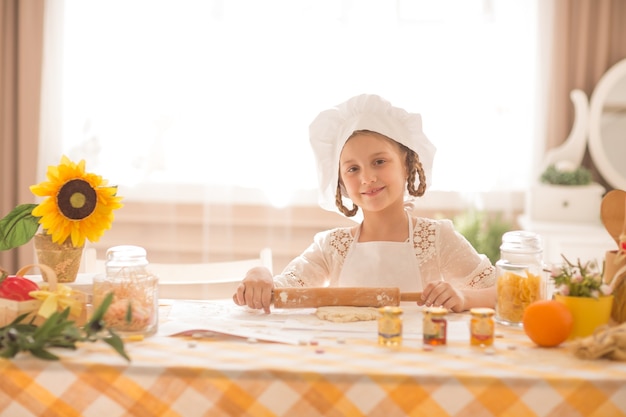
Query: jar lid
(390,310)
(521,241)
(482,311)
(126,255)
(436,311)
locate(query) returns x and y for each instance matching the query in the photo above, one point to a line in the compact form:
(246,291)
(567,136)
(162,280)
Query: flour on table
(344,314)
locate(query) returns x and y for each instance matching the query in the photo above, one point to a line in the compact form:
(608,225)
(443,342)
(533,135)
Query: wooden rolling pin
(340,296)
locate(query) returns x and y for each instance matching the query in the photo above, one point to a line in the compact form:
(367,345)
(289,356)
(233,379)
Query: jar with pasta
(134,309)
(520,276)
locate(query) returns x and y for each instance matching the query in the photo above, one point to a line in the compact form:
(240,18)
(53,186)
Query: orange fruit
(547,322)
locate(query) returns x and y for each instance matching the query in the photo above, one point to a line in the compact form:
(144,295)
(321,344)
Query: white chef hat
(331,129)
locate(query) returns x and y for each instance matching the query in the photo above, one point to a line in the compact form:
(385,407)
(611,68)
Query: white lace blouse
(441,251)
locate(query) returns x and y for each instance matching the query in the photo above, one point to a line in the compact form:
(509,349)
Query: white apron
(382,264)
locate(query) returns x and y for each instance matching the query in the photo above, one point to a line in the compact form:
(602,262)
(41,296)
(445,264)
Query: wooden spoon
(613,213)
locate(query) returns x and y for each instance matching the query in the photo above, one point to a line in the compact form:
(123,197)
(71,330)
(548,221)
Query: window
(178,99)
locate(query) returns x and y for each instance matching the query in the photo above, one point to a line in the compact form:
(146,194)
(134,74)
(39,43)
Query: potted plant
(566,174)
(565,192)
(581,288)
(78,206)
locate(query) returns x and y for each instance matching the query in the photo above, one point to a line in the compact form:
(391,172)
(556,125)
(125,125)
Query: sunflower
(79,205)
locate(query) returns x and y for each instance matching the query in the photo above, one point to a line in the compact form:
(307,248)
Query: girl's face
(372,169)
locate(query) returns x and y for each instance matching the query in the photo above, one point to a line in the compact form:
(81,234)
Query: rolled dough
(344,314)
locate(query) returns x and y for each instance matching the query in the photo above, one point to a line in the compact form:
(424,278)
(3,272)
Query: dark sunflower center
(76,199)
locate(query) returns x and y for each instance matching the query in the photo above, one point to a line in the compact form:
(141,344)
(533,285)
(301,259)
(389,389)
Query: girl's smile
(373,192)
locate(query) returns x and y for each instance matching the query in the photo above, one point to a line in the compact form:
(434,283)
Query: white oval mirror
(607,126)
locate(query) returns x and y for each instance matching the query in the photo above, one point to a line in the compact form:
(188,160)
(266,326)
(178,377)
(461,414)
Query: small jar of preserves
(482,326)
(134,308)
(435,326)
(390,326)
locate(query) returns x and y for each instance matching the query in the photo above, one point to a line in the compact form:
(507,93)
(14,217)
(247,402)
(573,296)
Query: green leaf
(98,314)
(18,227)
(118,344)
(9,352)
(55,320)
(129,312)
(44,354)
(19,319)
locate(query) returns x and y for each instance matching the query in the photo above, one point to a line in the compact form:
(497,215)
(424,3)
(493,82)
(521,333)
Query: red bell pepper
(16,288)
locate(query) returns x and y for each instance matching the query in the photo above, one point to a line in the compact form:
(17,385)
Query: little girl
(375,157)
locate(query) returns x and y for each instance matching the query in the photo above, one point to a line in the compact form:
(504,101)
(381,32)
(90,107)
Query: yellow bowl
(589,313)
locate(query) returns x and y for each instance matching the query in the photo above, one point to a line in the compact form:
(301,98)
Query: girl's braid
(414,166)
(341,207)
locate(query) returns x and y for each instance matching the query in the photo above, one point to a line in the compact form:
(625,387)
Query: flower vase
(589,313)
(63,258)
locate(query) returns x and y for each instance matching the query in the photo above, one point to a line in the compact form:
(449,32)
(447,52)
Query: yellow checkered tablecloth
(342,374)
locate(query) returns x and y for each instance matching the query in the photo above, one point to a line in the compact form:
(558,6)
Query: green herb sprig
(58,331)
(579,176)
(579,279)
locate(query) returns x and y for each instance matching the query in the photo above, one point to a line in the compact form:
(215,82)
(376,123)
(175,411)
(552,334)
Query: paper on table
(291,326)
(175,328)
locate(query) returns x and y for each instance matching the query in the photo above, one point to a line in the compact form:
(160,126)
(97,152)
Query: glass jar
(134,309)
(390,326)
(482,326)
(435,326)
(520,276)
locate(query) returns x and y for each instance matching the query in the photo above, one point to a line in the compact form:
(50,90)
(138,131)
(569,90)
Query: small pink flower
(606,290)
(577,278)
(563,289)
(595,293)
(555,272)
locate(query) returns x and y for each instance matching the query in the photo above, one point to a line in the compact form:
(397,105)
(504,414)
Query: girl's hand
(443,294)
(255,290)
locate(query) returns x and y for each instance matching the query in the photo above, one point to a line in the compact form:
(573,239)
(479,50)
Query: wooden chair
(194,281)
(205,281)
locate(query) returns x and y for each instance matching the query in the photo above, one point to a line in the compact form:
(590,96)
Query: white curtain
(198,100)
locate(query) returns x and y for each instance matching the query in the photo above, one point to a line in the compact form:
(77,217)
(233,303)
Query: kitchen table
(290,363)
